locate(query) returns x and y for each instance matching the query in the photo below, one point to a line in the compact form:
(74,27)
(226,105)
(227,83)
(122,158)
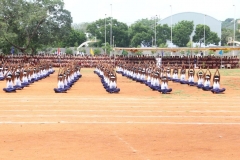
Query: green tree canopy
(210,37)
(140,34)
(32,24)
(163,34)
(181,33)
(75,38)
(119,29)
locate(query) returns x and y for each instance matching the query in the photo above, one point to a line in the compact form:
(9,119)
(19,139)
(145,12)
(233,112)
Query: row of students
(108,77)
(19,76)
(67,76)
(147,74)
(204,79)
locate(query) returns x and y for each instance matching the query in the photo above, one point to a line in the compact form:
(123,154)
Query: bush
(69,51)
(97,51)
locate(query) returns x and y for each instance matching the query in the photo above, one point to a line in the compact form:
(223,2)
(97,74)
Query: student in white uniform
(9,87)
(18,83)
(191,73)
(60,87)
(175,75)
(1,73)
(164,86)
(113,85)
(207,83)
(183,76)
(216,83)
(200,79)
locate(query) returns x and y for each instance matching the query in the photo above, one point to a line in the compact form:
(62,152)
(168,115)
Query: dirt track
(137,123)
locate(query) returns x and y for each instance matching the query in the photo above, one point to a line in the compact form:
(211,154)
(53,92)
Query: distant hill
(228,23)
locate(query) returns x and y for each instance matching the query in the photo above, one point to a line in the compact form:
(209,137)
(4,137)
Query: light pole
(171,24)
(171,28)
(152,41)
(204,33)
(155,31)
(113,41)
(111,28)
(234,25)
(105,35)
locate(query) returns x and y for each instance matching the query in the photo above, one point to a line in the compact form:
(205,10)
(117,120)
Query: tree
(190,44)
(146,22)
(139,52)
(32,24)
(125,53)
(181,33)
(210,37)
(69,51)
(97,51)
(119,29)
(75,38)
(213,39)
(140,34)
(199,34)
(108,48)
(162,45)
(80,26)
(226,33)
(163,33)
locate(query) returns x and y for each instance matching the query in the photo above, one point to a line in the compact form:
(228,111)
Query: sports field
(136,124)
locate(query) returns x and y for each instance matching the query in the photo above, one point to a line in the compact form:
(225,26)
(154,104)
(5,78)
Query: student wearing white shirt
(175,75)
(25,82)
(216,84)
(60,87)
(155,85)
(191,73)
(112,85)
(9,87)
(164,86)
(200,79)
(18,84)
(207,83)
(1,74)
(169,74)
(183,76)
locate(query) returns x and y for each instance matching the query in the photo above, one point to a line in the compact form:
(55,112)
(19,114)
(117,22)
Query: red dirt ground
(136,124)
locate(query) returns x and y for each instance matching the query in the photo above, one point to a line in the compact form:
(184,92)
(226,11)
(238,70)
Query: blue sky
(128,11)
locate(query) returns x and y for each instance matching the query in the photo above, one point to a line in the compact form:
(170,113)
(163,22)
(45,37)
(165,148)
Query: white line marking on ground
(118,116)
(141,111)
(94,122)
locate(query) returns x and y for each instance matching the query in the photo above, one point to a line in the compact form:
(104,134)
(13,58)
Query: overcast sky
(128,11)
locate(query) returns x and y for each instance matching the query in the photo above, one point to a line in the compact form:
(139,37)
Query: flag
(220,52)
(91,52)
(58,51)
(162,53)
